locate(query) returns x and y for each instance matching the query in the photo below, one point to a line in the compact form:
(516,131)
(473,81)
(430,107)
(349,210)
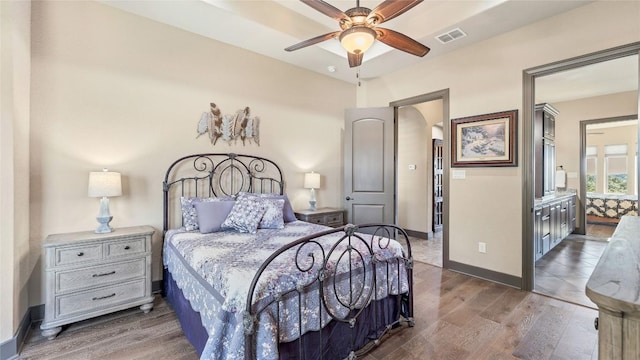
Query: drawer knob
(103,297)
(104,274)
(127,247)
(80,253)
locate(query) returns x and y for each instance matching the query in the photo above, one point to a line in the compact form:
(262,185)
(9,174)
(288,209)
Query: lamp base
(104,224)
(312,205)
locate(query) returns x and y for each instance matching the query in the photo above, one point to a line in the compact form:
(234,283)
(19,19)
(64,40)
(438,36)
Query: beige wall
(111,89)
(570,114)
(487,77)
(14,164)
(568,126)
(412,210)
(415,187)
(437,132)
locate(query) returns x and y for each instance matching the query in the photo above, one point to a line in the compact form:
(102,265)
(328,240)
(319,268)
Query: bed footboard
(354,283)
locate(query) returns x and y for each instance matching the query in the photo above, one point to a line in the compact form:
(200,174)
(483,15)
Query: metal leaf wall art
(229,127)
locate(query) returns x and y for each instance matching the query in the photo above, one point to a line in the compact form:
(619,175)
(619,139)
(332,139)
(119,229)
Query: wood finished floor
(603,231)
(564,271)
(457,317)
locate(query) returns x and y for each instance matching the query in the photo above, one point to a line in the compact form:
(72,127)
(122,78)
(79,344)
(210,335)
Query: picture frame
(487,140)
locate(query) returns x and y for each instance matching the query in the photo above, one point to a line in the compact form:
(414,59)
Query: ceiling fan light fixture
(359,28)
(357,40)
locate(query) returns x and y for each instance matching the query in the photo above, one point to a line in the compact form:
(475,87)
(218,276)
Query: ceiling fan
(359,28)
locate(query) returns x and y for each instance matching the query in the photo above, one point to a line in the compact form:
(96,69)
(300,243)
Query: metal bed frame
(217,174)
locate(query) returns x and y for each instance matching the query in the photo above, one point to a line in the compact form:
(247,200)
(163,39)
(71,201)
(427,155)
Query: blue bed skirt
(189,319)
(336,337)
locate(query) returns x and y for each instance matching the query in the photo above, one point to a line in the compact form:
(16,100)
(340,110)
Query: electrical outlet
(482,247)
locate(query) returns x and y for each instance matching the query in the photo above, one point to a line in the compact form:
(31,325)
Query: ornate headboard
(217,174)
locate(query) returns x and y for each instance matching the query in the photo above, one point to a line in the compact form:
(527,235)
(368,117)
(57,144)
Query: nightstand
(324,216)
(89,274)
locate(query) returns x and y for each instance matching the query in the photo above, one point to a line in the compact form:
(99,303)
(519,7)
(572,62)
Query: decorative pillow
(211,214)
(272,218)
(189,214)
(287,209)
(245,215)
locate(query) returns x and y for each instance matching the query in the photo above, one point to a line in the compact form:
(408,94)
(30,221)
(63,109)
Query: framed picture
(485,140)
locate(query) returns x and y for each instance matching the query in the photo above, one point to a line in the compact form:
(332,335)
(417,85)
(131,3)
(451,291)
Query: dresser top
(318,211)
(117,233)
(615,281)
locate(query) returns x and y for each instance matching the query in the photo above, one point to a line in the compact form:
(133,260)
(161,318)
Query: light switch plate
(458,174)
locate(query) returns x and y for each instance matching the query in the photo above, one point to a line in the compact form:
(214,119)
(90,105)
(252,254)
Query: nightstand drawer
(77,254)
(316,219)
(335,219)
(100,298)
(96,276)
(125,247)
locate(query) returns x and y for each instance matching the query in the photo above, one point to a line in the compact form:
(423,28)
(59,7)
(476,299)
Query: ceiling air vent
(449,36)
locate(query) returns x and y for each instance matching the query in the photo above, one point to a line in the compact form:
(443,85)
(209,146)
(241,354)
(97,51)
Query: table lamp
(104,184)
(312,181)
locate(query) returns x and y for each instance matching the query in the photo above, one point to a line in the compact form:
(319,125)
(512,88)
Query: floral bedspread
(214,272)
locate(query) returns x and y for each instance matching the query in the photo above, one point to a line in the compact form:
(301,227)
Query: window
(615,167)
(592,171)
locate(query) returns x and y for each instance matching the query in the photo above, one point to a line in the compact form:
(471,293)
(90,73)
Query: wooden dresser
(614,286)
(324,216)
(89,274)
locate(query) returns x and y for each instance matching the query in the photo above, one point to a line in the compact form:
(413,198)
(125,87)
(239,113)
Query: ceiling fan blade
(401,42)
(392,8)
(354,59)
(327,9)
(312,41)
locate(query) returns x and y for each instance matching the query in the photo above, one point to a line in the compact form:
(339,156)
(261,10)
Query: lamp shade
(104,183)
(357,40)
(311,180)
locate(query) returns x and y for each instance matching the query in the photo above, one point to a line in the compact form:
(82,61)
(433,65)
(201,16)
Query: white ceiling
(603,78)
(612,124)
(267,27)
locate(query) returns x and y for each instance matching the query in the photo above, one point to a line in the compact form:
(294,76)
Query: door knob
(348,198)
